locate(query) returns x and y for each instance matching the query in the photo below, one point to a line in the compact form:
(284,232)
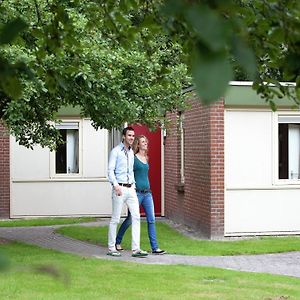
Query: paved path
(282,264)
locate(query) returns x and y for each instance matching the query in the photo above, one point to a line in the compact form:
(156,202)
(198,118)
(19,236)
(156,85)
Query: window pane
(289,151)
(61,154)
(294,150)
(67,154)
(114,138)
(72,151)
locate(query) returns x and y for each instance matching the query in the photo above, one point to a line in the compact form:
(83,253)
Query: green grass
(176,243)
(90,278)
(44,221)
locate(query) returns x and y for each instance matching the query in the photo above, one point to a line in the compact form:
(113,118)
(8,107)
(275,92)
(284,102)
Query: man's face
(129,137)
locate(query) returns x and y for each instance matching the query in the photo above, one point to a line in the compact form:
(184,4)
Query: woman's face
(143,144)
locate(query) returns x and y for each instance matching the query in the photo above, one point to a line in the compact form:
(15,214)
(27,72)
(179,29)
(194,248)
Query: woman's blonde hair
(135,145)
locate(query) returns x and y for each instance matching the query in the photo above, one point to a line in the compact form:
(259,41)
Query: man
(120,174)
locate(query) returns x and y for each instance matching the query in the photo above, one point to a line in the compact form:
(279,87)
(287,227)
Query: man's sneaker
(113,253)
(139,253)
(159,251)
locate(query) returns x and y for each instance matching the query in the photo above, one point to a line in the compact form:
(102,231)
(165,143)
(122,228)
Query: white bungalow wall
(36,191)
(255,201)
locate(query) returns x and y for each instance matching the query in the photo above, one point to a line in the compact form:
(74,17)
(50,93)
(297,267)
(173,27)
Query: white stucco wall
(37,191)
(255,201)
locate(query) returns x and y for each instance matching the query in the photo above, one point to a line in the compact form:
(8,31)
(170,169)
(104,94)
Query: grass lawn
(176,243)
(90,278)
(44,221)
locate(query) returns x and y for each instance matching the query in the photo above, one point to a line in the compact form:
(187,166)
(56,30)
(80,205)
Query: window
(114,138)
(289,147)
(67,154)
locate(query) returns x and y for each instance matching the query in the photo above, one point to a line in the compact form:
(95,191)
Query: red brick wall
(4,172)
(217,169)
(201,205)
(174,200)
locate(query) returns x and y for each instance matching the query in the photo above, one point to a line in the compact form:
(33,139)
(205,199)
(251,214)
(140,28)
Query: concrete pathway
(44,236)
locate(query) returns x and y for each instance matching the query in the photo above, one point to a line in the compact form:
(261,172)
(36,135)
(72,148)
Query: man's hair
(127,129)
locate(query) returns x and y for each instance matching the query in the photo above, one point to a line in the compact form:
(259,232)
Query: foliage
(126,60)
(68,59)
(221,37)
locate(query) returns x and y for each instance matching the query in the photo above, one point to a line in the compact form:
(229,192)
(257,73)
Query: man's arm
(111,167)
(111,171)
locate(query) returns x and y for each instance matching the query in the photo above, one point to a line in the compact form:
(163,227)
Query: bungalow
(233,168)
(71,181)
(229,169)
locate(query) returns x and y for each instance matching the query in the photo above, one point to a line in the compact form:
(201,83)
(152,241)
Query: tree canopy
(128,60)
(69,59)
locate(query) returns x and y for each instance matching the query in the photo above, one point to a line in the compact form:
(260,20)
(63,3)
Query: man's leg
(133,206)
(117,204)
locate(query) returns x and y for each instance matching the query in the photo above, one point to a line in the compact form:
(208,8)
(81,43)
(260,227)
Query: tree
(71,60)
(261,37)
(123,60)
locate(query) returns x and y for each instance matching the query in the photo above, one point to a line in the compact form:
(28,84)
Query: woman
(141,169)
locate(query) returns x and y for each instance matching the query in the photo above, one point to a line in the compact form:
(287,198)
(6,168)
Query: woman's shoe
(159,251)
(119,247)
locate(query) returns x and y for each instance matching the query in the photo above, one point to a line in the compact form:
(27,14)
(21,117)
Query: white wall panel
(262,211)
(248,149)
(27,163)
(95,150)
(35,193)
(61,199)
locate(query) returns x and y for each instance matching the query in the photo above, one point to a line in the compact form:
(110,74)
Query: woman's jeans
(146,201)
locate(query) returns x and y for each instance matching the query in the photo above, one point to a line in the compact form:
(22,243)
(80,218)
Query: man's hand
(118,190)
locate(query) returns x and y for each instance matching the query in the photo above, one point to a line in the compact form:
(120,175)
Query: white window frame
(276,180)
(53,173)
(114,138)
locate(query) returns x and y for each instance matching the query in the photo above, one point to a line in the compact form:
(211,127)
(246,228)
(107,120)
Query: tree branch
(37,11)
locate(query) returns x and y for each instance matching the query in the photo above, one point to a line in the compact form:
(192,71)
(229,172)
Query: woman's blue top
(141,171)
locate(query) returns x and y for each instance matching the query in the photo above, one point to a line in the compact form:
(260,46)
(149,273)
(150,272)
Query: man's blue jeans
(146,201)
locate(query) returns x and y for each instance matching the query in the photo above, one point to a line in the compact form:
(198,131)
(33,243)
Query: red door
(154,153)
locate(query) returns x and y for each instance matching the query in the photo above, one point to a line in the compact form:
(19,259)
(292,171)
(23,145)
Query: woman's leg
(147,203)
(126,223)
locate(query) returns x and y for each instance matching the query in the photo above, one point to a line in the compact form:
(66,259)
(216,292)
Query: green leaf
(11,30)
(208,26)
(12,87)
(245,57)
(211,75)
(50,83)
(273,105)
(172,7)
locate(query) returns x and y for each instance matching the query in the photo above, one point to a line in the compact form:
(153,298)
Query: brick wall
(174,204)
(201,204)
(217,169)
(4,173)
